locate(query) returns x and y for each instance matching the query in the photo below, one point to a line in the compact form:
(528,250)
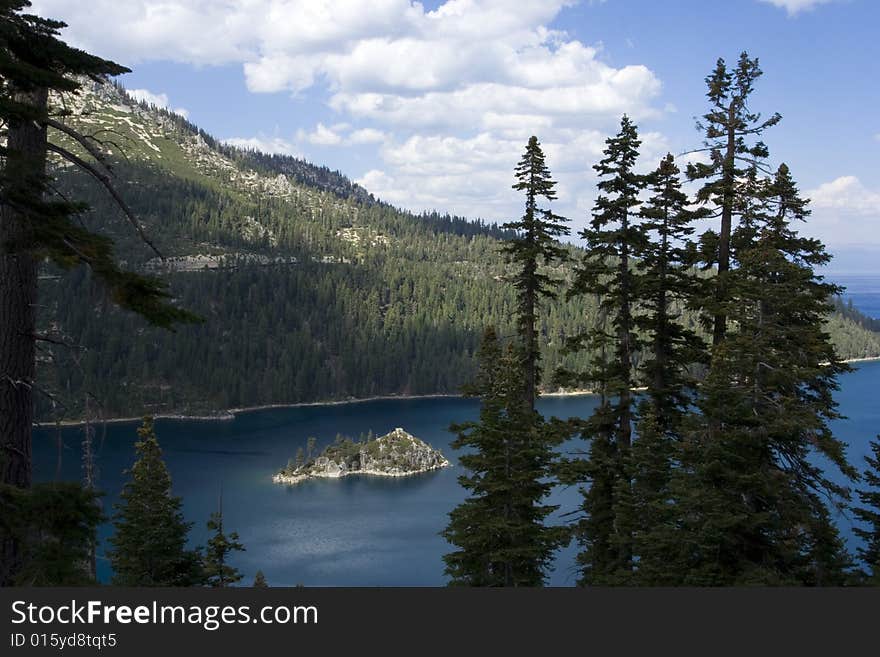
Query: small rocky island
(396,454)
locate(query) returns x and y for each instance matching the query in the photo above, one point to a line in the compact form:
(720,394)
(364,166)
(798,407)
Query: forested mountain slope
(310,288)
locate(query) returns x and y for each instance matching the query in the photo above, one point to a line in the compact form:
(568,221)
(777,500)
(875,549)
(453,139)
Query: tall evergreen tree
(671,353)
(217,570)
(149,544)
(260,581)
(500,529)
(729,127)
(609,269)
(749,491)
(534,246)
(667,285)
(869,514)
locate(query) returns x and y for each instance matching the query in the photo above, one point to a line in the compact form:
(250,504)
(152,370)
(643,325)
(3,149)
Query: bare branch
(83,141)
(104,179)
(42,337)
(761,165)
(70,245)
(697,150)
(9,447)
(112,131)
(119,149)
(30,385)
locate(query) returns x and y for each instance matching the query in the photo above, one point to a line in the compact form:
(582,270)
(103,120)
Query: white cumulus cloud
(272,145)
(794,7)
(159,100)
(321,136)
(366,136)
(340,134)
(845,211)
(846,193)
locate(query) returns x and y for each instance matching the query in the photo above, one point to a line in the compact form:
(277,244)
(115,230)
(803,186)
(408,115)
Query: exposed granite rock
(396,454)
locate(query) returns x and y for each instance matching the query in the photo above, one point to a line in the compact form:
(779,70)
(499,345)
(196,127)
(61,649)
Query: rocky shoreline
(396,454)
(280,478)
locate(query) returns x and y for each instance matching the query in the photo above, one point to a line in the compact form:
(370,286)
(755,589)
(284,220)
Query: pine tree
(869,515)
(36,224)
(149,545)
(728,126)
(500,529)
(749,485)
(609,270)
(600,559)
(54,526)
(534,246)
(671,353)
(667,285)
(217,570)
(260,581)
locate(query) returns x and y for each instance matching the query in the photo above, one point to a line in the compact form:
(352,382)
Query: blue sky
(429,105)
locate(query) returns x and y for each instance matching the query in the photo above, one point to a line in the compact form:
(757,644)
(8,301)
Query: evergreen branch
(83,140)
(105,180)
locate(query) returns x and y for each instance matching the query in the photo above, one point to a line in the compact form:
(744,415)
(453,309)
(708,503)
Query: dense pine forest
(310,288)
(163,272)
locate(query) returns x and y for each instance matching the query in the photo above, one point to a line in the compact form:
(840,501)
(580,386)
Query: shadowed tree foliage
(149,544)
(54,525)
(609,269)
(869,514)
(500,529)
(672,352)
(667,286)
(751,496)
(218,572)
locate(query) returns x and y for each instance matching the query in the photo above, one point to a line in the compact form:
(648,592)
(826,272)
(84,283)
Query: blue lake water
(863,289)
(357,531)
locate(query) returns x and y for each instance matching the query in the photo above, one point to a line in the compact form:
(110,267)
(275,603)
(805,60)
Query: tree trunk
(661,339)
(720,324)
(624,332)
(531,355)
(508,567)
(23,173)
(624,441)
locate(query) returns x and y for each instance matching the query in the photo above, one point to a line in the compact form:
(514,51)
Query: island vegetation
(396,454)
